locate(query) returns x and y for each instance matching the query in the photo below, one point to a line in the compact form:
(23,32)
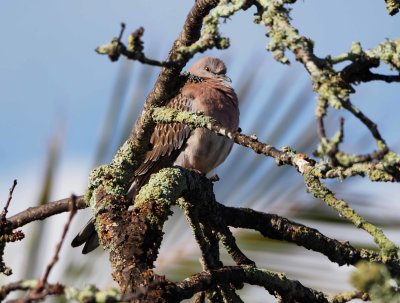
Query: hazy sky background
(52,81)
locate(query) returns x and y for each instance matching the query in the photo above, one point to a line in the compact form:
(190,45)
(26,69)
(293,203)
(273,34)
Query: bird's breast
(216,99)
(205,150)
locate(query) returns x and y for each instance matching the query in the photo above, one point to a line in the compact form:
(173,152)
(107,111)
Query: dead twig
(5,209)
(37,291)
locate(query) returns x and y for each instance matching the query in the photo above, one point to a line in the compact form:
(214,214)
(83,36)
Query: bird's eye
(207,69)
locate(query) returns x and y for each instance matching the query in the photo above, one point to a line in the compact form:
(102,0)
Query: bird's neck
(215,84)
(195,79)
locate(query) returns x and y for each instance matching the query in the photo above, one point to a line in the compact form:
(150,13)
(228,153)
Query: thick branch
(119,231)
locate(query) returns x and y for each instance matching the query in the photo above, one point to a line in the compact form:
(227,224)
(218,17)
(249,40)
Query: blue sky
(52,81)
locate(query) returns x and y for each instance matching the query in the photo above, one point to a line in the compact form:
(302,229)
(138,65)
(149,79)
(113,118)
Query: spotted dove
(200,150)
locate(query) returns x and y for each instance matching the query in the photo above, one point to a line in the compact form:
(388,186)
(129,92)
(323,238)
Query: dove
(207,90)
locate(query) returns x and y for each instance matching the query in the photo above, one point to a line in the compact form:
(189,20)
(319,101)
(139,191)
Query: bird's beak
(225,78)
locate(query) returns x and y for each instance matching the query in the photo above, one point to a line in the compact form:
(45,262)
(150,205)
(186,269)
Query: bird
(207,90)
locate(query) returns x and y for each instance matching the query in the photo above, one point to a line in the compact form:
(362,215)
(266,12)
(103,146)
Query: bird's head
(209,67)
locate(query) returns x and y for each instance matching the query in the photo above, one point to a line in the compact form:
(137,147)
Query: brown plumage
(175,144)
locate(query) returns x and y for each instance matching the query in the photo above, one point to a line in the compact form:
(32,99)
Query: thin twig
(209,248)
(373,128)
(11,191)
(6,232)
(208,261)
(323,193)
(122,31)
(44,211)
(43,279)
(321,127)
(8,288)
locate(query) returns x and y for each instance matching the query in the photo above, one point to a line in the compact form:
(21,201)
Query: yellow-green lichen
(163,187)
(168,115)
(375,279)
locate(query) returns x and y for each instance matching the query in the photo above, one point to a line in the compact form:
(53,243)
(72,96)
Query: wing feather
(167,140)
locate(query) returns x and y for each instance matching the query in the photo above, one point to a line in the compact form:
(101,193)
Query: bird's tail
(87,236)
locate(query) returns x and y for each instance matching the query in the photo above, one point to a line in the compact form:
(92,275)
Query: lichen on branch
(334,87)
(286,156)
(210,35)
(88,294)
(302,163)
(134,236)
(392,6)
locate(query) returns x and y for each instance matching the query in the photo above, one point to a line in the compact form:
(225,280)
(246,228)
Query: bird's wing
(87,236)
(167,141)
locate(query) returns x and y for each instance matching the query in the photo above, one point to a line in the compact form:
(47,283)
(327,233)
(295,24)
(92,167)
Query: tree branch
(6,232)
(208,243)
(134,236)
(280,228)
(304,164)
(275,283)
(43,280)
(10,194)
(333,88)
(88,294)
(392,6)
(301,162)
(44,211)
(388,249)
(134,50)
(109,183)
(348,296)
